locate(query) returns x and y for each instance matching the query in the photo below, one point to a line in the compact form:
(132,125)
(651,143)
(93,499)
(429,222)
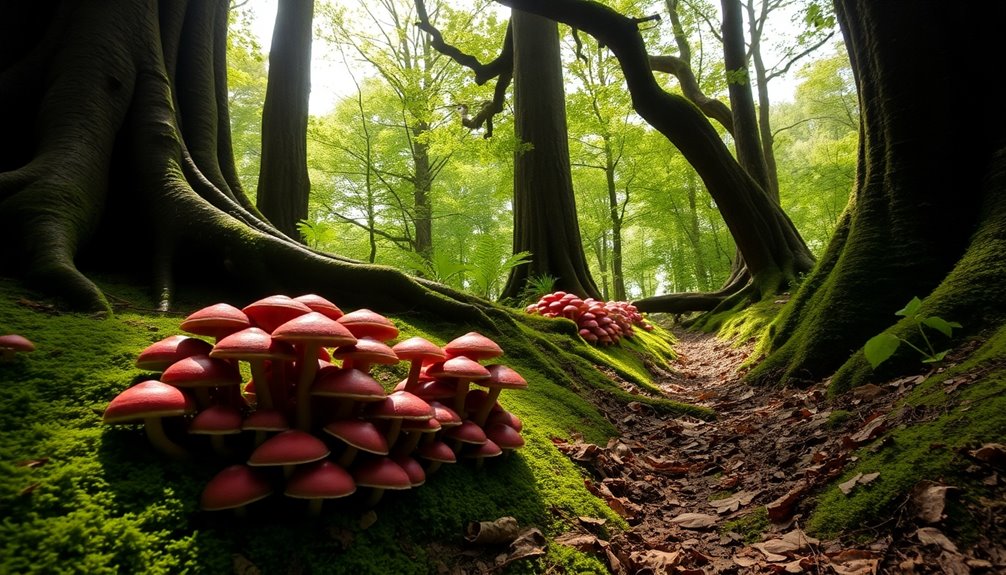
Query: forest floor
(729,496)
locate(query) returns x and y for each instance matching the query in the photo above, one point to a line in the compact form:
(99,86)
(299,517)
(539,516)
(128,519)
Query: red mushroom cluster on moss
(311,422)
(601,323)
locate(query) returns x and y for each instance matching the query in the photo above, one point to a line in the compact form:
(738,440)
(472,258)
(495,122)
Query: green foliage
(749,526)
(881,347)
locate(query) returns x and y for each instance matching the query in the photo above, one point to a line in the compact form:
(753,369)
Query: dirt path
(728,496)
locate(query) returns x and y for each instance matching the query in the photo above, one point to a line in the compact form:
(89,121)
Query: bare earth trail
(728,496)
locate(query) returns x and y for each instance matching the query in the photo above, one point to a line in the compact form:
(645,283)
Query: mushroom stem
(345,409)
(460,391)
(263,397)
(375,495)
(220,445)
(308,369)
(314,507)
(347,456)
(411,382)
(203,397)
(393,432)
(433,467)
(260,436)
(411,442)
(157,437)
(483,413)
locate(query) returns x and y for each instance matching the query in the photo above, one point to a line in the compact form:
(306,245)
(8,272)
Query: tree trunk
(283,185)
(918,224)
(421,186)
(545,221)
(772,248)
(764,107)
(615,215)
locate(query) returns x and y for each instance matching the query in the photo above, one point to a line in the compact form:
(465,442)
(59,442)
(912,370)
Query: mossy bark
(918,224)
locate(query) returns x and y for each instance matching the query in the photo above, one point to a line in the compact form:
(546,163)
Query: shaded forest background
(648,227)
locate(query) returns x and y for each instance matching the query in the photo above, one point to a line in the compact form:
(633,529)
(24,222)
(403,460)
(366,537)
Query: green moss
(749,526)
(930,448)
(80,497)
(837,418)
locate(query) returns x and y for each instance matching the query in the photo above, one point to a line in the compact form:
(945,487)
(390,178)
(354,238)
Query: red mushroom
(263,421)
(311,333)
(150,401)
(366,323)
(12,344)
(256,347)
(217,321)
(397,407)
(466,433)
(217,421)
(349,386)
(380,475)
(461,370)
(418,351)
(364,352)
(271,312)
(437,453)
(500,377)
(202,373)
(358,435)
(417,476)
(289,448)
(321,305)
(473,345)
(318,482)
(507,438)
(480,452)
(159,355)
(234,488)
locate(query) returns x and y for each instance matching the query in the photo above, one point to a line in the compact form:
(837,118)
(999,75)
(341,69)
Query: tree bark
(545,221)
(283,185)
(917,224)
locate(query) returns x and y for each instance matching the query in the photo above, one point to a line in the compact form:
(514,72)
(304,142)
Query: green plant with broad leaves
(881,347)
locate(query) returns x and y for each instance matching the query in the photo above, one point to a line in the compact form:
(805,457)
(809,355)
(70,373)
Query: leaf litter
(685,486)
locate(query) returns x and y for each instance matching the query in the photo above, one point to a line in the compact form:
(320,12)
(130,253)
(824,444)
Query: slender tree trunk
(545,220)
(701,269)
(764,105)
(422,202)
(283,185)
(747,142)
(615,215)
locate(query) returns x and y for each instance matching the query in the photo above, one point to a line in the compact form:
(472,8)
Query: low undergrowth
(80,497)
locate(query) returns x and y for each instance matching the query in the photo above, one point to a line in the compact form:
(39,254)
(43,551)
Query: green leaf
(880,347)
(936,358)
(911,309)
(941,325)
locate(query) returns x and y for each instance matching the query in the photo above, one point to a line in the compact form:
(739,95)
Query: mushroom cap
(430,425)
(445,415)
(234,486)
(467,432)
(436,389)
(506,418)
(418,348)
(504,436)
(475,399)
(503,377)
(217,320)
(415,471)
(473,345)
(461,367)
(322,480)
(273,311)
(16,342)
(150,398)
(366,349)
(159,355)
(266,420)
(321,305)
(367,323)
(347,383)
(436,451)
(382,473)
(314,327)
(216,420)
(400,405)
(290,447)
(487,449)
(252,344)
(201,371)
(360,434)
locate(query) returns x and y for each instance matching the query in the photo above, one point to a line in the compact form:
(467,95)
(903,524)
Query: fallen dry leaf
(929,499)
(993,453)
(581,541)
(734,502)
(695,520)
(933,536)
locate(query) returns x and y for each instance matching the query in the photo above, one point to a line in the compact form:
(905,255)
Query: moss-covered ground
(77,496)
(937,423)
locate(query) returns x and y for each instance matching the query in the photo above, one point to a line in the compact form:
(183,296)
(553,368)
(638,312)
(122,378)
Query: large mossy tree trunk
(927,216)
(115,159)
(545,220)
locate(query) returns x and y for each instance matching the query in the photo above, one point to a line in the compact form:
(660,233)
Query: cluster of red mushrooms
(600,322)
(311,420)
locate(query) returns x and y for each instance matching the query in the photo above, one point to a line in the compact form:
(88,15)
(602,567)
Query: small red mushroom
(318,482)
(217,321)
(418,351)
(367,323)
(500,377)
(12,344)
(150,401)
(159,355)
(289,448)
(271,312)
(234,488)
(358,435)
(380,475)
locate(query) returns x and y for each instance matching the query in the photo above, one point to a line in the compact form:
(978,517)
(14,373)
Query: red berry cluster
(603,323)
